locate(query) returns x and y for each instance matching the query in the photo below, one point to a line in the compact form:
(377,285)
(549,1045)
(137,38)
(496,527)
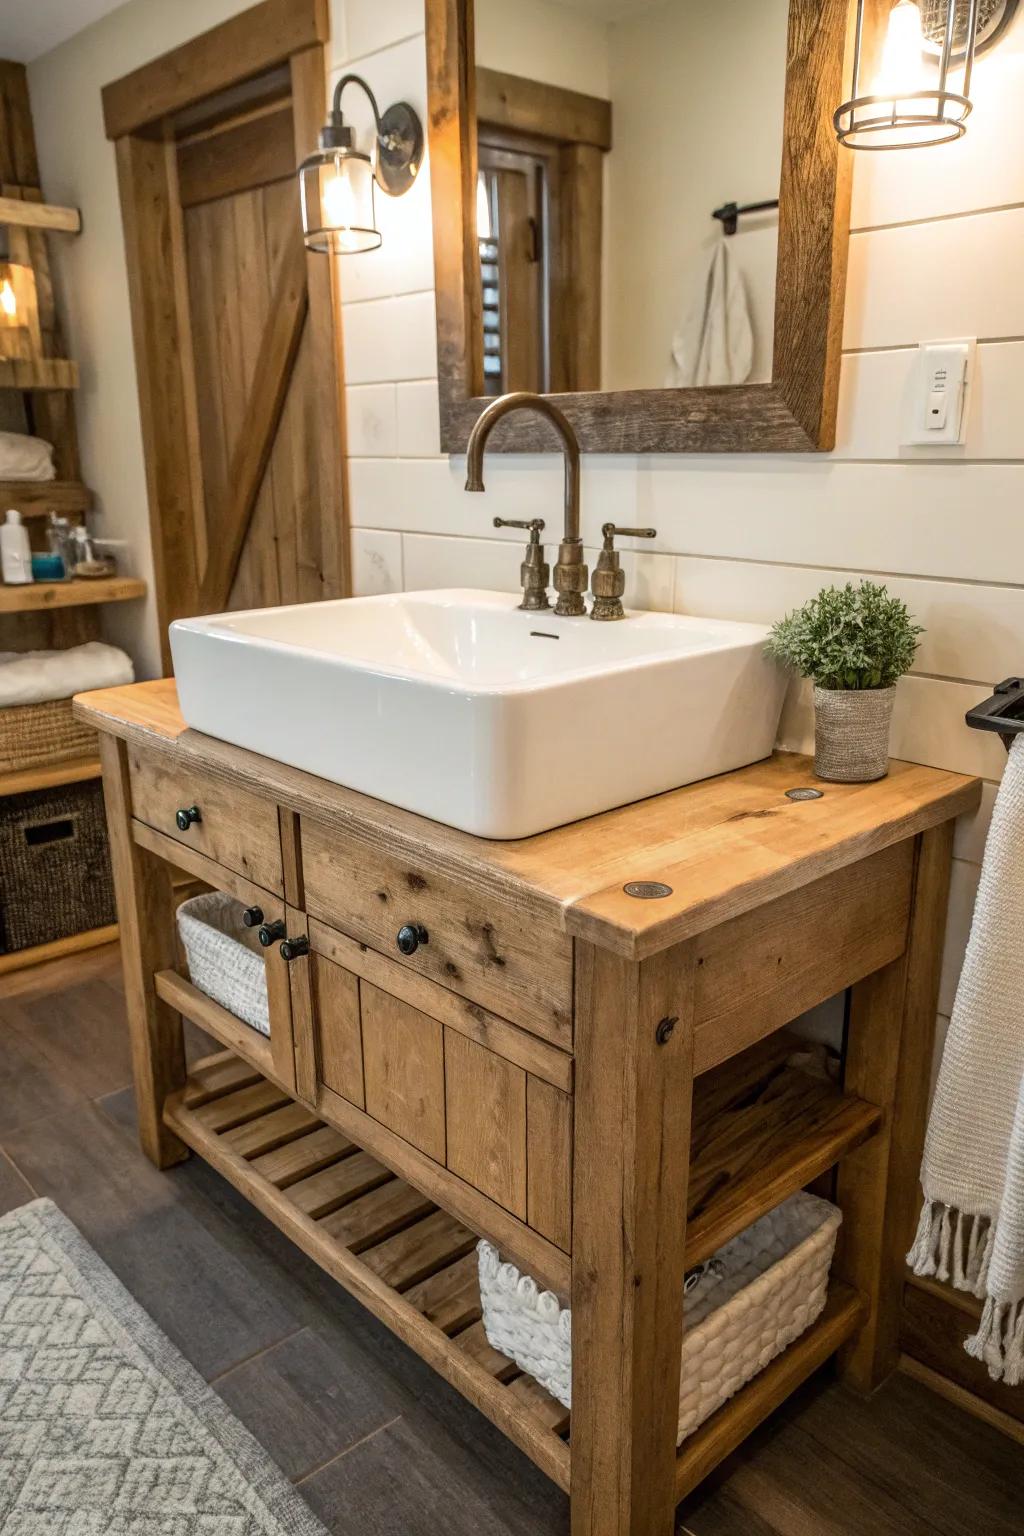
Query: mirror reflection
(609,134)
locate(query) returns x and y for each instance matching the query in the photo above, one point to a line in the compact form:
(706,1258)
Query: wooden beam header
(257,40)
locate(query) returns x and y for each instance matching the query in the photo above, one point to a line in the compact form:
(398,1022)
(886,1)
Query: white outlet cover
(938,394)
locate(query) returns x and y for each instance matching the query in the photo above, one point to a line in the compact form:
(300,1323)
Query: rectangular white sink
(460,707)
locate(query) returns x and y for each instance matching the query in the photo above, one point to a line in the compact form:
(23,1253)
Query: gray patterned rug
(105,1430)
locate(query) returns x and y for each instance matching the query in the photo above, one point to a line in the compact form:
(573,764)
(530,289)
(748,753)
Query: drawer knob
(410,937)
(271,931)
(252,917)
(292,949)
(186,816)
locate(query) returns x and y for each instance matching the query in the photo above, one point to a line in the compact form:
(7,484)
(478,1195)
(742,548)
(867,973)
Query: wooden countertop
(724,846)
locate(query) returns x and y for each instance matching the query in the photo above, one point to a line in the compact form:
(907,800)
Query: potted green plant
(854,643)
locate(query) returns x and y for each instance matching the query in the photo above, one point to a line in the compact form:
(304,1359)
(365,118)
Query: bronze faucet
(570,570)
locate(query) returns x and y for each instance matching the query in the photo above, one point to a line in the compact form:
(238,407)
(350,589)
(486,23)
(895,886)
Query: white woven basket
(224,957)
(761,1291)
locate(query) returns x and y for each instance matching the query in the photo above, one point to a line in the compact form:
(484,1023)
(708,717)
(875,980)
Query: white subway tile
(371,24)
(963,891)
(376,562)
(876,390)
(433,562)
(979,171)
(419,420)
(971,831)
(389,339)
(969,628)
(961,521)
(371,421)
(920,282)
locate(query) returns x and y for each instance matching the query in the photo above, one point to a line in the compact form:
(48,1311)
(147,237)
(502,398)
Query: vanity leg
(889,1062)
(145,913)
(634,1090)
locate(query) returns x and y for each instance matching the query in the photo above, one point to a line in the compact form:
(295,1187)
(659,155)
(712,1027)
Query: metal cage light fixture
(910,104)
(336,184)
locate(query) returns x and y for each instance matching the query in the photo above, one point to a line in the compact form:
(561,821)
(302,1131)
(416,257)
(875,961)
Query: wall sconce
(910,104)
(336,183)
(15,342)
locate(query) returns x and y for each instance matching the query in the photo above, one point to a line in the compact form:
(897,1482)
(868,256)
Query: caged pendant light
(336,184)
(909,103)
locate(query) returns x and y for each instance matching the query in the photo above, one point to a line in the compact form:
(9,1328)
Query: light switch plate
(938,394)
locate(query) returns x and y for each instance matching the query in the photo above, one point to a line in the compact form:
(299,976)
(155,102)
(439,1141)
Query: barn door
(234,327)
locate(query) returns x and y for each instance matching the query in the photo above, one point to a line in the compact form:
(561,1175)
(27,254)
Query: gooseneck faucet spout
(570,571)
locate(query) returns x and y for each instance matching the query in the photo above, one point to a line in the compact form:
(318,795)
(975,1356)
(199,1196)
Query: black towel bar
(1003,712)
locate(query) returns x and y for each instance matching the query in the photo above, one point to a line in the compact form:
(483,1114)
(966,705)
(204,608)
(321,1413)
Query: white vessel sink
(460,707)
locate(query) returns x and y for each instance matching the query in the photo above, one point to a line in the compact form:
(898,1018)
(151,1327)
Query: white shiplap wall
(936,252)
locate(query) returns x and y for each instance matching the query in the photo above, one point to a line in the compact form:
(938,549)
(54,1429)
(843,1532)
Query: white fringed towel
(972,1225)
(715,343)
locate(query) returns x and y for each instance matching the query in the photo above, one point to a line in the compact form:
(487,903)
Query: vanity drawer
(440,1085)
(483,947)
(236,829)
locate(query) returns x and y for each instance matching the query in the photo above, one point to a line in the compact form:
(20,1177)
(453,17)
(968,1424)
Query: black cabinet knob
(269,932)
(291,949)
(186,816)
(252,917)
(410,937)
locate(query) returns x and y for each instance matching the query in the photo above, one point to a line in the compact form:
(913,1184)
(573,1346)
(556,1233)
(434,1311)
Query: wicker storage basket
(759,1293)
(224,957)
(56,866)
(32,735)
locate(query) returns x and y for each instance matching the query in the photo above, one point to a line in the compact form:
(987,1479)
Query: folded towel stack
(37,677)
(25,458)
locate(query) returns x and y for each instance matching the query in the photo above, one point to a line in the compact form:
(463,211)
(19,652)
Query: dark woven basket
(55,877)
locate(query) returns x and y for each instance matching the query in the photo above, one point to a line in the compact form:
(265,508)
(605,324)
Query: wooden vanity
(599,1082)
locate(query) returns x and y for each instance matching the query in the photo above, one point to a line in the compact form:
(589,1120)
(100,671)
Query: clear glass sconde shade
(336,194)
(907,103)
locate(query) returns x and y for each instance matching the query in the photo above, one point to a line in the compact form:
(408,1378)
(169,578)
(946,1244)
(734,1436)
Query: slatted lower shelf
(414,1265)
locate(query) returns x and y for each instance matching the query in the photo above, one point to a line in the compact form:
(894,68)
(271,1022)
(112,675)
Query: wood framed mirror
(524,154)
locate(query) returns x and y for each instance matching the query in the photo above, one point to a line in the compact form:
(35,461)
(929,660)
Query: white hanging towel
(715,344)
(972,1225)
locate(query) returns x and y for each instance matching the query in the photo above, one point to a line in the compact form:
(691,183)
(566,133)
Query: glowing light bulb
(8,300)
(903,69)
(339,201)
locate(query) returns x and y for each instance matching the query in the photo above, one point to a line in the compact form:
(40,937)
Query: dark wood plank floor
(375,1441)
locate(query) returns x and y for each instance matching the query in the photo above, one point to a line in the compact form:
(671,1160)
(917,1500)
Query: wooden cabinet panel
(549,1162)
(403,1070)
(336,1002)
(500,954)
(236,828)
(485,1102)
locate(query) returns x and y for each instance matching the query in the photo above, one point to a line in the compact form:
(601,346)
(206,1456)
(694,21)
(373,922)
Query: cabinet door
(336,1007)
(485,1099)
(403,1070)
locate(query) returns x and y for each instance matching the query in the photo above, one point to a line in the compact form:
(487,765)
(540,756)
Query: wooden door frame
(138,110)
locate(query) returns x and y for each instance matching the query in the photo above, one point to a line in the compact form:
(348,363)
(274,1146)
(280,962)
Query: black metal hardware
(409,938)
(291,949)
(730,214)
(252,917)
(665,1031)
(269,932)
(1003,712)
(186,817)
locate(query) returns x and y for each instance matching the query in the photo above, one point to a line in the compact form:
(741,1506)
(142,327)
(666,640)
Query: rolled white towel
(36,677)
(25,458)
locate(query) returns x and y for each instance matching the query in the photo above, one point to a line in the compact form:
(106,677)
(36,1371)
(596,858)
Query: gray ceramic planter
(851,733)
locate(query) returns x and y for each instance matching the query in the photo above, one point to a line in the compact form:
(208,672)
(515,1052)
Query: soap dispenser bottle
(15,553)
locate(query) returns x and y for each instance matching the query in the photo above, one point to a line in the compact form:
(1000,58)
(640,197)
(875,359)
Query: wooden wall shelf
(414,1265)
(38,373)
(34,498)
(73,770)
(45,596)
(27,214)
(58,949)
